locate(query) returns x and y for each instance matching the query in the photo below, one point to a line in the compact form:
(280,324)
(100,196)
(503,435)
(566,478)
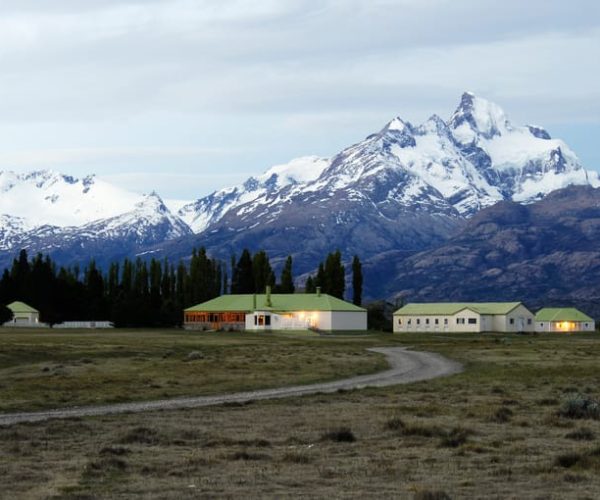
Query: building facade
(563,319)
(264,312)
(473,317)
(23,315)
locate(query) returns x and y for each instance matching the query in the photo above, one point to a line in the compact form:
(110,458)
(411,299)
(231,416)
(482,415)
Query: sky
(187,96)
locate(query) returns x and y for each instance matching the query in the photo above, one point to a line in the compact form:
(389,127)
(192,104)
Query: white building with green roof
(23,315)
(563,319)
(262,312)
(440,317)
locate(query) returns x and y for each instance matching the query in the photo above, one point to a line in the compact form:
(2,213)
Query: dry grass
(494,431)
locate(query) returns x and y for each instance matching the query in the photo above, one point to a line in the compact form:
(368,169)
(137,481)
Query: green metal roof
(450,308)
(279,302)
(561,314)
(21,307)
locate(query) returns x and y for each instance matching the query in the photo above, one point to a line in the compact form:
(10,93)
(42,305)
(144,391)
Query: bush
(395,424)
(580,406)
(456,437)
(142,435)
(502,415)
(568,460)
(341,435)
(582,434)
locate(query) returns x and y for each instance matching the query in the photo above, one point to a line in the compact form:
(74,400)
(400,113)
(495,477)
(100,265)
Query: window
(472,321)
(427,321)
(585,324)
(445,321)
(408,322)
(529,321)
(267,320)
(418,321)
(400,321)
(460,321)
(511,321)
(255,320)
(437,321)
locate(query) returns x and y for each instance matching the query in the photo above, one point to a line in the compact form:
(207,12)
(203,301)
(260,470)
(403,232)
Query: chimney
(268,301)
(318,291)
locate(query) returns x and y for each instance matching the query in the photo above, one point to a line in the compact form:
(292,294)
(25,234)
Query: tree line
(154,293)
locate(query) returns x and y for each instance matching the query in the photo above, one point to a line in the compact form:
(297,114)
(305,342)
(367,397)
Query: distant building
(23,315)
(439,317)
(263,312)
(85,324)
(563,319)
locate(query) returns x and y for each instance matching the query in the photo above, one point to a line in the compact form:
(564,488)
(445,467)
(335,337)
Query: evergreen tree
(309,286)
(335,280)
(287,279)
(244,275)
(5,314)
(262,272)
(357,281)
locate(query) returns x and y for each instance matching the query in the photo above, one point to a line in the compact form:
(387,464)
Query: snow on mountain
(47,197)
(150,222)
(475,159)
(288,177)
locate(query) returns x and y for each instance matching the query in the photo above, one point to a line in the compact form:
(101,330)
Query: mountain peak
(477,116)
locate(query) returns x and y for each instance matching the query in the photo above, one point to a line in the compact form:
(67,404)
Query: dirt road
(405,367)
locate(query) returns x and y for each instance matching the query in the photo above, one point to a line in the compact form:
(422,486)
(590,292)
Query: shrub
(580,406)
(341,435)
(395,424)
(194,355)
(142,435)
(456,437)
(582,434)
(502,415)
(568,460)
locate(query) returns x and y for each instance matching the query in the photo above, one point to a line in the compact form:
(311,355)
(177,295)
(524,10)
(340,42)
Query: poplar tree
(357,281)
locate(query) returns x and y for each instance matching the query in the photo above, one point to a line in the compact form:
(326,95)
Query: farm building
(23,315)
(563,319)
(268,311)
(464,317)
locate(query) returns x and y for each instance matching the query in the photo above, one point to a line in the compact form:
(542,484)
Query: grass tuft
(583,434)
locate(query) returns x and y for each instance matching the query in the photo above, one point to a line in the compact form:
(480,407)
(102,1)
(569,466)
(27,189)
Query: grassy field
(493,431)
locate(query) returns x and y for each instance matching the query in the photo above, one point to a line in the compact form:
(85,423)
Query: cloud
(99,82)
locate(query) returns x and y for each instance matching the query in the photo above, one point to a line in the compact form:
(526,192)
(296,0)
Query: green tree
(287,278)
(357,281)
(335,279)
(243,275)
(262,272)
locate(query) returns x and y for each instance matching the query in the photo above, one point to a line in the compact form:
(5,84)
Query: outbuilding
(23,315)
(563,319)
(264,312)
(463,317)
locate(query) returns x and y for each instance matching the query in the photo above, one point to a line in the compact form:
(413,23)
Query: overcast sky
(186,96)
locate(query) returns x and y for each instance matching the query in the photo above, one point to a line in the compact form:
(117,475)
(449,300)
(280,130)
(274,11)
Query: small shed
(563,319)
(23,315)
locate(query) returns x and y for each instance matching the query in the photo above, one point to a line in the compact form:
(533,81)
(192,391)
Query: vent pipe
(318,291)
(254,302)
(268,303)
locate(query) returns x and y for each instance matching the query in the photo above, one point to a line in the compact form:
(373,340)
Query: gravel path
(405,367)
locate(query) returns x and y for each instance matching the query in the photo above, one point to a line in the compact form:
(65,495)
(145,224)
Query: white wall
(347,320)
(551,326)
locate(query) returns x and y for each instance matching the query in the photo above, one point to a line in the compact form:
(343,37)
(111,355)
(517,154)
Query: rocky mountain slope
(402,190)
(545,253)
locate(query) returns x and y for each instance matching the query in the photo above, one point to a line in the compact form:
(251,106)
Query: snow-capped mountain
(125,235)
(276,183)
(473,160)
(47,197)
(403,189)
